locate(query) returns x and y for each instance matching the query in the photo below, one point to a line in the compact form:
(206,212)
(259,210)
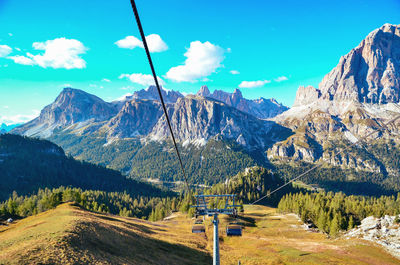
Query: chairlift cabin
(234,230)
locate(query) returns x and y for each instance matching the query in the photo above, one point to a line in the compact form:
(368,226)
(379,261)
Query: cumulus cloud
(19,118)
(141,79)
(202,59)
(22,60)
(280,79)
(5,50)
(106,80)
(234,72)
(252,84)
(58,53)
(154,41)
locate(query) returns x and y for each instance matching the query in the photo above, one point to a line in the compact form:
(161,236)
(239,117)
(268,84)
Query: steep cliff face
(196,118)
(356,98)
(369,73)
(136,118)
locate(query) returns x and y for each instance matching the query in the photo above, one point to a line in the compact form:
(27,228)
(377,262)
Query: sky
(265,48)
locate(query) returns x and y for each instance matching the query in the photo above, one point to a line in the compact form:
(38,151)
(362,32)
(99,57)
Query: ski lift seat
(234,230)
(198,228)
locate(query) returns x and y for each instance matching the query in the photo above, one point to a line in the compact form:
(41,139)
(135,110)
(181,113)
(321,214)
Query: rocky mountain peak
(260,108)
(204,92)
(369,73)
(151,93)
(70,107)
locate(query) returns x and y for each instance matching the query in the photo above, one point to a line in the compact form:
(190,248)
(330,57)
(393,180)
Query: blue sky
(272,47)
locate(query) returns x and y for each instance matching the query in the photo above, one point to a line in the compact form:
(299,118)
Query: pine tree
(334,227)
(351,223)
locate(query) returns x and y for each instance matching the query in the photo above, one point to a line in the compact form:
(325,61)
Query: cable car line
(139,24)
(320,163)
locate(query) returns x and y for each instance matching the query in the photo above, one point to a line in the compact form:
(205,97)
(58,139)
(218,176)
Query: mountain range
(357,97)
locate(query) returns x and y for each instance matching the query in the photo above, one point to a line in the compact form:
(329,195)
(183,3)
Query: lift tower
(202,208)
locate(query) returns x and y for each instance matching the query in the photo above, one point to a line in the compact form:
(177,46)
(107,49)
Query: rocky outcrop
(261,108)
(297,147)
(383,231)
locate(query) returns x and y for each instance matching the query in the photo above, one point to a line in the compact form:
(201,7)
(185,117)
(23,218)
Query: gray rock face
(70,107)
(306,95)
(261,108)
(195,118)
(137,117)
(369,73)
(383,231)
(356,98)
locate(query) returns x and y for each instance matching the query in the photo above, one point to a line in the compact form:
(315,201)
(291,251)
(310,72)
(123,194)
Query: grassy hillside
(27,164)
(70,235)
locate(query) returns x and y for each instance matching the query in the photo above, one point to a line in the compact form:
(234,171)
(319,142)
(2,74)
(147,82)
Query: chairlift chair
(198,227)
(234,229)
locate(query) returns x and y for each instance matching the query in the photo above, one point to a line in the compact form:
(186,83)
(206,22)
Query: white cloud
(124,97)
(154,41)
(22,60)
(234,72)
(280,79)
(202,60)
(141,79)
(10,34)
(106,80)
(252,84)
(58,53)
(5,50)
(19,118)
(6,107)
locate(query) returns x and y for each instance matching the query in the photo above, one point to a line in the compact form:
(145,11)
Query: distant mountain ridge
(141,115)
(96,131)
(261,108)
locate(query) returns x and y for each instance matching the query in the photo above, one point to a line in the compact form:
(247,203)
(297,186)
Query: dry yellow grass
(70,235)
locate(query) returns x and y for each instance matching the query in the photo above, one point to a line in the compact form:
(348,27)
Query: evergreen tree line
(118,203)
(332,212)
(252,184)
(158,160)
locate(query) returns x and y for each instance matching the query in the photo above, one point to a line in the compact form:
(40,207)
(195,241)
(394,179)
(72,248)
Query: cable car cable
(139,24)
(320,163)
